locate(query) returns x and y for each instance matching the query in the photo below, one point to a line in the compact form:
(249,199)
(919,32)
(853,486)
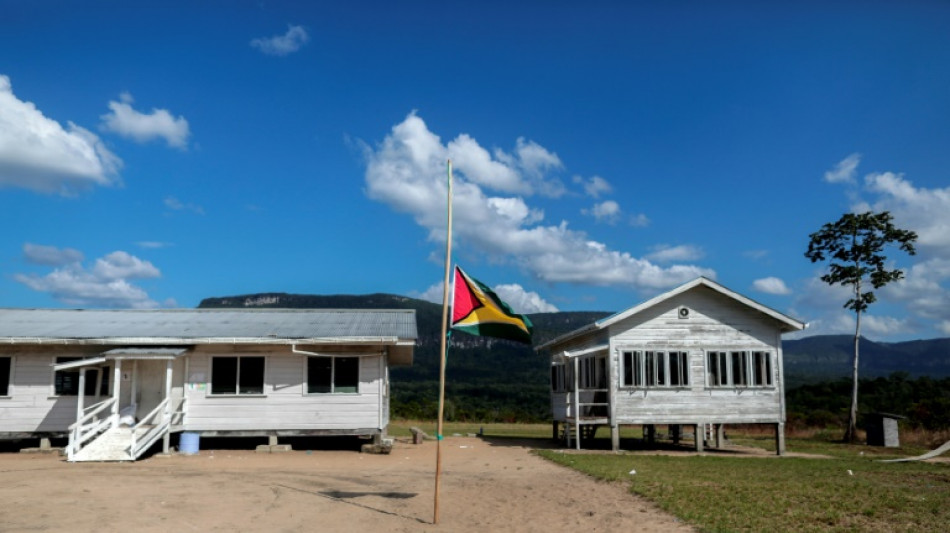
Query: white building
(116,382)
(699,355)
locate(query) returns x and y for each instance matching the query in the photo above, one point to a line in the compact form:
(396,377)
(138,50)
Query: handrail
(160,408)
(80,431)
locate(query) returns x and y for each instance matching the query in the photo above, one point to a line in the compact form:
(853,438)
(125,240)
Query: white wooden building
(699,355)
(115,382)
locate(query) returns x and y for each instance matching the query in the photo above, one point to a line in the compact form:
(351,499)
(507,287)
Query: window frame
(653,368)
(237,377)
(739,368)
(333,375)
(106,370)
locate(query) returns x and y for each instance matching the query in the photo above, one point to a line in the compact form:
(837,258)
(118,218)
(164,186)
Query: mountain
(829,356)
(489,379)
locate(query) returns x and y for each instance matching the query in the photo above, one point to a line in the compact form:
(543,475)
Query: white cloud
(665,253)
(407,172)
(594,186)
(177,205)
(38,154)
(142,127)
(105,285)
(925,211)
(607,211)
(281,45)
(523,301)
(756,254)
(844,171)
(639,221)
(39,254)
(884,326)
(771,285)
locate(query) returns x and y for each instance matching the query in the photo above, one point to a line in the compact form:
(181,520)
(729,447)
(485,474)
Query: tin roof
(207,325)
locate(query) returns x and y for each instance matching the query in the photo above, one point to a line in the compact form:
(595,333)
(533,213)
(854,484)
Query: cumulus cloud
(521,300)
(639,221)
(607,211)
(665,253)
(281,45)
(38,154)
(771,285)
(151,245)
(407,172)
(844,171)
(594,186)
(144,127)
(926,211)
(106,284)
(39,254)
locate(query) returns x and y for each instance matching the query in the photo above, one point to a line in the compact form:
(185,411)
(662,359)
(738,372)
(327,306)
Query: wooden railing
(575,406)
(88,427)
(138,446)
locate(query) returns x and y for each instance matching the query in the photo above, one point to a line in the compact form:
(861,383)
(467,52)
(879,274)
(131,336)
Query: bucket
(188,443)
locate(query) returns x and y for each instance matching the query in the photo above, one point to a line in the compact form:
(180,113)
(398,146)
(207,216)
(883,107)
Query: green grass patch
(781,494)
(400,428)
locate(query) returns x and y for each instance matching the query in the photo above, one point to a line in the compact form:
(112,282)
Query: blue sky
(154,154)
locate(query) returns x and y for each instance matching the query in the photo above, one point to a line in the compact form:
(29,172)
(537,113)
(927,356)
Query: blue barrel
(188,443)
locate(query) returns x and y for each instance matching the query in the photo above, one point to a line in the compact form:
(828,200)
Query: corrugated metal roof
(242,325)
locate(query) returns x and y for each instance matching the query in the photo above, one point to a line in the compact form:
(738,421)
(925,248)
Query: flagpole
(443,349)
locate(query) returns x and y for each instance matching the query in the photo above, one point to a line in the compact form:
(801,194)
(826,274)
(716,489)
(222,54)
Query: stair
(568,434)
(113,445)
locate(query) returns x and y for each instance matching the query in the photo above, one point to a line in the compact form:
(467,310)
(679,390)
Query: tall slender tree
(853,247)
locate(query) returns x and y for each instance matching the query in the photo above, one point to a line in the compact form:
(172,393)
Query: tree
(853,246)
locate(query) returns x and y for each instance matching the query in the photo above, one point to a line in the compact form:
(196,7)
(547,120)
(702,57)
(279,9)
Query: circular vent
(684,312)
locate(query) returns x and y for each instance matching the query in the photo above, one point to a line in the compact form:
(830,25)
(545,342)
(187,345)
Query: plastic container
(188,443)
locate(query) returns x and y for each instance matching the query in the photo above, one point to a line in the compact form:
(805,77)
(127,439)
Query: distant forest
(489,380)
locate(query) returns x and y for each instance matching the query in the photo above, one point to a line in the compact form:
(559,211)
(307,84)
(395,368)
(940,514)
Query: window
(66,382)
(333,375)
(739,369)
(237,375)
(6,369)
(652,368)
(558,382)
(761,369)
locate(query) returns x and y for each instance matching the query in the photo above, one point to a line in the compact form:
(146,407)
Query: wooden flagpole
(443,349)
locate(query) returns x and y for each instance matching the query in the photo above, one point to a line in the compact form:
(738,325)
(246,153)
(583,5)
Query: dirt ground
(487,485)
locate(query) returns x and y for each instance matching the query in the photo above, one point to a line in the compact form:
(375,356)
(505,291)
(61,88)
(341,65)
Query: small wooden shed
(699,355)
(116,382)
(882,429)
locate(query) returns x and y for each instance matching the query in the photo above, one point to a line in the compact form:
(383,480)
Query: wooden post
(699,430)
(780,439)
(675,433)
(554,433)
(98,383)
(720,435)
(577,406)
(80,396)
(167,415)
(116,382)
(615,437)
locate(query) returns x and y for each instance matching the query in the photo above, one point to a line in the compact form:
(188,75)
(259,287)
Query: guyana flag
(476,309)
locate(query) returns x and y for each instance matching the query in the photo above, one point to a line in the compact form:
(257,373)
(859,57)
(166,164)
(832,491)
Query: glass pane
(319,374)
(650,369)
(627,368)
(684,368)
(660,368)
(223,375)
(346,375)
(5,363)
(66,382)
(251,375)
(675,371)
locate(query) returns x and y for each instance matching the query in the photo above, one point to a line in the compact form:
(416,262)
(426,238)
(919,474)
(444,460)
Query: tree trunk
(851,434)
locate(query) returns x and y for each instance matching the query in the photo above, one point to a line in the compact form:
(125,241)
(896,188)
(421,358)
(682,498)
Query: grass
(765,493)
(850,490)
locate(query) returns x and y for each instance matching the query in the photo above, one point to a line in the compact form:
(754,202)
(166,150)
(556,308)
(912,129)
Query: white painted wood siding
(715,322)
(31,405)
(284,404)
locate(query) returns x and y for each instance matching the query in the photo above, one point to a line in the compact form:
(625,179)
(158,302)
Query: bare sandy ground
(486,486)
